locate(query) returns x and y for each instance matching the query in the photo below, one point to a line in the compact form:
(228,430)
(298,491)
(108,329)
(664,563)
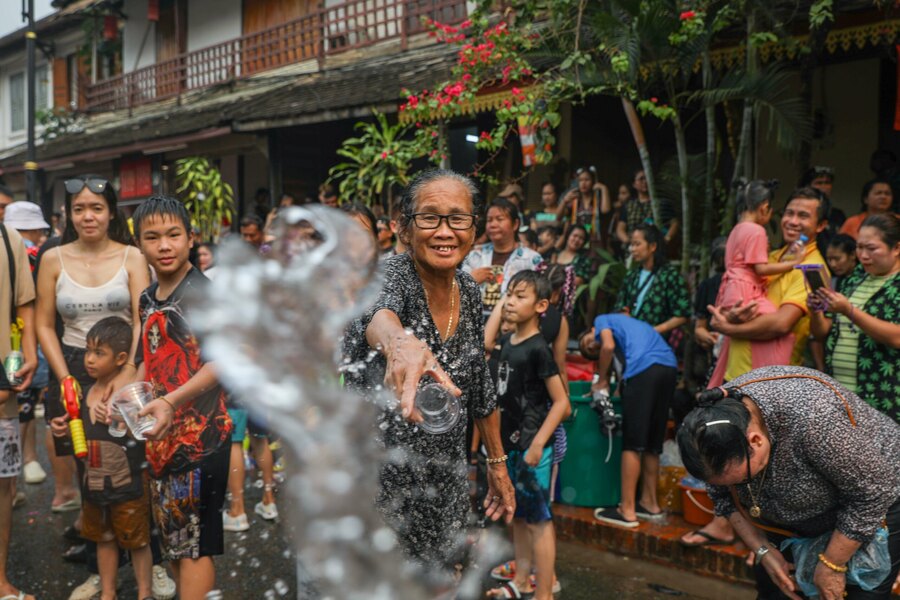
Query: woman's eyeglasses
(73,186)
(458,221)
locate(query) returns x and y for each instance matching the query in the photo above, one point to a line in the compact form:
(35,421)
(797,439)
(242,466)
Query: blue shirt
(639,344)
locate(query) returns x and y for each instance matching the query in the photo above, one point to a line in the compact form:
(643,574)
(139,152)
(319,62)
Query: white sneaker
(238,523)
(163,585)
(269,512)
(87,590)
(34,473)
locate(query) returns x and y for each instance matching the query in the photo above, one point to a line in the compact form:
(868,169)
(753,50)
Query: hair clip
(721,422)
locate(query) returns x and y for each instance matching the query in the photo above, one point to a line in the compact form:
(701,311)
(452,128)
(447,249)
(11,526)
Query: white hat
(24,216)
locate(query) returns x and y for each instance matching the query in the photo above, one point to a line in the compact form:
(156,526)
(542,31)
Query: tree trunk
(681,150)
(709,191)
(637,132)
(742,161)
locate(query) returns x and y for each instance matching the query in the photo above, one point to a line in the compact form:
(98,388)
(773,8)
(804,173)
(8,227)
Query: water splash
(273,326)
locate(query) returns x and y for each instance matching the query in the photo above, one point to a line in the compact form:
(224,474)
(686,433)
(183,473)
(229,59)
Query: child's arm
(767,269)
(607,350)
(559,410)
(163,408)
(492,327)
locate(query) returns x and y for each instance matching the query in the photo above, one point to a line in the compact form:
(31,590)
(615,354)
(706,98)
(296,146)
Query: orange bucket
(697,505)
(670,497)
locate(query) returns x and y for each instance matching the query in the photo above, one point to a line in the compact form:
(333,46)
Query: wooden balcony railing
(327,31)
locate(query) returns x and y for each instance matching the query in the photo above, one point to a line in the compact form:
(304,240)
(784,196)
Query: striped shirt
(847,346)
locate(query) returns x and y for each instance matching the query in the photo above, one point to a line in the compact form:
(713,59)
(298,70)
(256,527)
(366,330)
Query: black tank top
(550,324)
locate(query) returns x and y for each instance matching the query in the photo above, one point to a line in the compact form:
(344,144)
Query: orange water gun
(70,394)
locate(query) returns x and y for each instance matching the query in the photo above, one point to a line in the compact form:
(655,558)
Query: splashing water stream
(272,326)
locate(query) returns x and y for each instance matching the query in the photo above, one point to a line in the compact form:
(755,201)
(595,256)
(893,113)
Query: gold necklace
(452,305)
(755,511)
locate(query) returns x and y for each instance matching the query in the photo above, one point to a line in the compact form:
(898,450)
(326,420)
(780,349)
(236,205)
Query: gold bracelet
(498,460)
(831,565)
(167,401)
(131,364)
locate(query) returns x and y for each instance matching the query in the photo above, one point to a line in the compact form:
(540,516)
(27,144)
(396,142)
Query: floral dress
(424,490)
(877,365)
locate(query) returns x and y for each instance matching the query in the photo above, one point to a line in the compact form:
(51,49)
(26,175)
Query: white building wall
(138,31)
(212,21)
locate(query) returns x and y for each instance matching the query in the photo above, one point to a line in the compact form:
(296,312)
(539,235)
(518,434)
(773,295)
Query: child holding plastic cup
(533,402)
(188,447)
(115,506)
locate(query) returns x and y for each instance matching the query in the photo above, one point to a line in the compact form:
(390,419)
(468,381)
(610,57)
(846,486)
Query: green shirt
(846,349)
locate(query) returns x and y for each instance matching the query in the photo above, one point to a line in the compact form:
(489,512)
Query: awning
(483,102)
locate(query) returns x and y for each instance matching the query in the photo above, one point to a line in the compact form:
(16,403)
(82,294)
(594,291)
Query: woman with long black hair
(654,292)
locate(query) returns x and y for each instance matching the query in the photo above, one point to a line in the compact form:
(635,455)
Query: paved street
(258,564)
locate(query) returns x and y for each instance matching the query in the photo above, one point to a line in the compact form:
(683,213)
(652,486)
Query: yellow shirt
(787,288)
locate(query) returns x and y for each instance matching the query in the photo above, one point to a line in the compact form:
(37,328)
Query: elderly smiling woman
(789,452)
(427,323)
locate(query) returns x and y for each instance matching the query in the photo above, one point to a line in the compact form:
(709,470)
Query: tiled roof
(274,99)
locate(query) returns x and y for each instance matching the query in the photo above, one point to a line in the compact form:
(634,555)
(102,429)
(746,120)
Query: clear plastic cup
(124,407)
(439,408)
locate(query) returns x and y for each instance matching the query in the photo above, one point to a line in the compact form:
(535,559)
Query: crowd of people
(481,300)
(765,315)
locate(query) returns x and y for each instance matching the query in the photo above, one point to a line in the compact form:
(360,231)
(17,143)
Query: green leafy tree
(377,161)
(208,199)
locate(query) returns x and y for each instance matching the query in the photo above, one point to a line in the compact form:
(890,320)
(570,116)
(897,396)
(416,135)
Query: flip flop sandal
(504,572)
(557,587)
(643,513)
(508,591)
(73,535)
(709,540)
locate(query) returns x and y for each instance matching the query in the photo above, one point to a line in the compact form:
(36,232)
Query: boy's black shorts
(187,508)
(645,408)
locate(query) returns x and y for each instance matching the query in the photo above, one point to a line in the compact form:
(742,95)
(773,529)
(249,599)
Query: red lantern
(110,28)
(153,10)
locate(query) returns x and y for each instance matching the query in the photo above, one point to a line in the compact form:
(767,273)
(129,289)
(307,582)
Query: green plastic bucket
(585,479)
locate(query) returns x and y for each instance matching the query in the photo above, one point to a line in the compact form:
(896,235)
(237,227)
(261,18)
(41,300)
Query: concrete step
(656,543)
(653,542)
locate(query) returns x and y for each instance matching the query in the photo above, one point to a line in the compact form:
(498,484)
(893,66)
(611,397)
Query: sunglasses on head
(73,186)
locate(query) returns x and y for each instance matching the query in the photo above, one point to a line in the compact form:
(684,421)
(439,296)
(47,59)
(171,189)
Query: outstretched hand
(779,570)
(408,360)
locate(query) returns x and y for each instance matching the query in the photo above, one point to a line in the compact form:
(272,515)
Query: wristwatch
(761,551)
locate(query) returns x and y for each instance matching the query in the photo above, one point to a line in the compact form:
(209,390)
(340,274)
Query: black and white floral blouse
(824,473)
(424,491)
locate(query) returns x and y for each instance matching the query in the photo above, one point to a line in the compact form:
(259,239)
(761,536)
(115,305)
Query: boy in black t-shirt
(188,448)
(533,402)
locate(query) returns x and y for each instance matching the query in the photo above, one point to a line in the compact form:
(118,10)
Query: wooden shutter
(83,78)
(60,83)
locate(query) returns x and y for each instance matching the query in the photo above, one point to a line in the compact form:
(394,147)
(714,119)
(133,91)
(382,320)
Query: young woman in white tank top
(94,274)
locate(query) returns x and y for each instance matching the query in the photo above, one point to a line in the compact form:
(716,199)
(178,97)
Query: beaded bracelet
(498,460)
(831,565)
